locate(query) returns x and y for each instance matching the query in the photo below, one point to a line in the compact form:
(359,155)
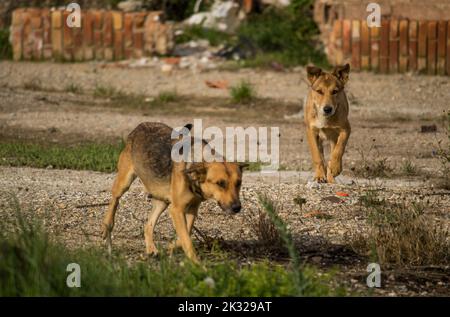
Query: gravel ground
(386,115)
(66,201)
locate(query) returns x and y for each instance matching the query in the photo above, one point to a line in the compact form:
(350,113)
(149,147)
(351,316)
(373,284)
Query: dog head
(220,181)
(327,88)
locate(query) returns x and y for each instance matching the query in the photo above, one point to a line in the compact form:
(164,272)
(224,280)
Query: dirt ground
(387,113)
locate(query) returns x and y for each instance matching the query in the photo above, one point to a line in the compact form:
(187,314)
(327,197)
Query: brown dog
(183,185)
(326,118)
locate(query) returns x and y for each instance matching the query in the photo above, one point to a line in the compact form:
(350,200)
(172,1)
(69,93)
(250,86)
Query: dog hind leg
(122,183)
(158,206)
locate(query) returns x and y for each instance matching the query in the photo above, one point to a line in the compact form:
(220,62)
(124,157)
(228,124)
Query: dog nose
(327,109)
(236,207)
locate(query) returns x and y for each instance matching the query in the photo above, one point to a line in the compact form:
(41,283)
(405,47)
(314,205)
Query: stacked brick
(414,35)
(396,46)
(38,34)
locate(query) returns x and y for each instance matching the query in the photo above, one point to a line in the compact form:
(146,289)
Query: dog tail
(189,126)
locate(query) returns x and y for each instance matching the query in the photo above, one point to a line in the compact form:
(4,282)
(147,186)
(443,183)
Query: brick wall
(398,46)
(414,35)
(104,34)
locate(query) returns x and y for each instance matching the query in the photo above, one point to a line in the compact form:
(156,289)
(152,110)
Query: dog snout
(328,109)
(236,207)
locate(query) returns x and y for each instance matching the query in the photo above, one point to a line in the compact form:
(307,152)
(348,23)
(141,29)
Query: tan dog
(326,118)
(184,186)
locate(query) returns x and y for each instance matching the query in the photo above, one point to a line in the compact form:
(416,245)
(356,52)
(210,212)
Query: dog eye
(222,184)
(320,92)
(335,92)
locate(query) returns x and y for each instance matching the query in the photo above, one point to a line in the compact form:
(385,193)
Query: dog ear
(341,72)
(313,73)
(196,172)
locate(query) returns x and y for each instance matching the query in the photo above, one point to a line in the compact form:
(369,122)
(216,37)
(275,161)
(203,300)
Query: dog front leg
(179,221)
(316,154)
(334,167)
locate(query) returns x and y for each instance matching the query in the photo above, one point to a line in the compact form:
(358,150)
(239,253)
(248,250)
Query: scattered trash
(428,128)
(342,194)
(244,49)
(130,5)
(172,60)
(219,84)
(223,16)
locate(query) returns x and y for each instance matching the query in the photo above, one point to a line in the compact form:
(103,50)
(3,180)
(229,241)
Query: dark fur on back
(151,146)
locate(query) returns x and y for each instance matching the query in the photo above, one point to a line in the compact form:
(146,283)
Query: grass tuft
(242,93)
(402,234)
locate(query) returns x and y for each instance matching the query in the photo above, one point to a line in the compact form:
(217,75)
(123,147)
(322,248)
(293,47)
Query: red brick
(356,45)
(412,45)
(163,42)
(138,44)
(336,43)
(139,20)
(46,26)
(88,28)
(67,38)
(448,49)
(98,19)
(375,49)
(117,17)
(422,46)
(37,44)
(98,46)
(17,17)
(403,46)
(432,47)
(393,46)
(442,34)
(78,41)
(27,45)
(118,44)
(17,37)
(107,30)
(384,46)
(128,35)
(346,38)
(56,19)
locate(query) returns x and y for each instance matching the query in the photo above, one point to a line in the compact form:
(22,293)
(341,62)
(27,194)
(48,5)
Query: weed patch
(89,156)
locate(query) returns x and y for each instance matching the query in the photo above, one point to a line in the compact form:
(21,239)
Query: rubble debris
(130,5)
(223,16)
(219,84)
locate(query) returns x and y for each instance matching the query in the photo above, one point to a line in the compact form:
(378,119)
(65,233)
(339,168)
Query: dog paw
(334,168)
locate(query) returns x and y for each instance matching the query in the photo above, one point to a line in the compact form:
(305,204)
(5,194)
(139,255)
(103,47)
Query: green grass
(107,92)
(167,97)
(5,46)
(288,36)
(197,32)
(242,93)
(89,156)
(73,88)
(33,264)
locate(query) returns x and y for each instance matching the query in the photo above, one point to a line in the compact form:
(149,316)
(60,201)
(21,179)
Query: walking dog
(182,185)
(326,118)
